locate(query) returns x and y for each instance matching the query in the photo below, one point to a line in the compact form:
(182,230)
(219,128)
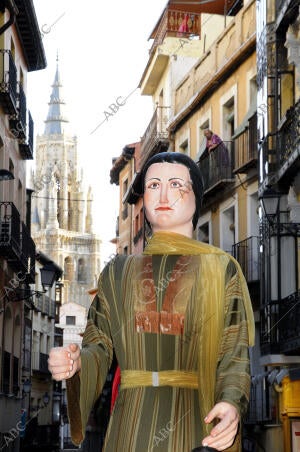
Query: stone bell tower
(62,207)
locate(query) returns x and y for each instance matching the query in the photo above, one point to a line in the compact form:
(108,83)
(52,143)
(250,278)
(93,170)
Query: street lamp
(27,386)
(270,200)
(49,273)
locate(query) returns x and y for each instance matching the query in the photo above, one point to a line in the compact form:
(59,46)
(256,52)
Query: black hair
(195,174)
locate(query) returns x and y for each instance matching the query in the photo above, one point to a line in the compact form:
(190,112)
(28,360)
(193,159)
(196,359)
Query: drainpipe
(13,11)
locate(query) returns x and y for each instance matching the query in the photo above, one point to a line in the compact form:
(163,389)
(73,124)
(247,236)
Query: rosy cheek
(149,198)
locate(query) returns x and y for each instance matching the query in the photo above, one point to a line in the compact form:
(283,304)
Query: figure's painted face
(169,199)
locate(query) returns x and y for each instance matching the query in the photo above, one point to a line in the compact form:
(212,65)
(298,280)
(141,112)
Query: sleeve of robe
(84,388)
(233,374)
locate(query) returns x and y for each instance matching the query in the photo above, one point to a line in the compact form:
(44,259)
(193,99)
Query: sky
(103,50)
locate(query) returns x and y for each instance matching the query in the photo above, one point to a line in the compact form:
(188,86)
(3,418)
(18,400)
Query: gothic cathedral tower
(62,215)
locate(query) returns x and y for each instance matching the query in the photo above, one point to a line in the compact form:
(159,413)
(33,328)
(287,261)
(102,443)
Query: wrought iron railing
(17,122)
(22,107)
(217,166)
(289,325)
(289,135)
(179,24)
(8,82)
(246,253)
(269,335)
(280,325)
(10,237)
(155,133)
(245,146)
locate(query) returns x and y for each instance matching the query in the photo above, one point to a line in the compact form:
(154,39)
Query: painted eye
(152,186)
(176,184)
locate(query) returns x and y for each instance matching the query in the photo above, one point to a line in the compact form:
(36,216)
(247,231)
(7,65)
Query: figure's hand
(64,362)
(222,435)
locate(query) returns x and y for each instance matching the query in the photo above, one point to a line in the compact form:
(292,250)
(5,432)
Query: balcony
(245,147)
(156,136)
(178,24)
(217,167)
(17,122)
(28,255)
(280,326)
(280,150)
(289,325)
(288,144)
(8,84)
(246,253)
(26,144)
(45,305)
(10,237)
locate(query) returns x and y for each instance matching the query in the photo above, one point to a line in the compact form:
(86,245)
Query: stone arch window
(68,269)
(81,272)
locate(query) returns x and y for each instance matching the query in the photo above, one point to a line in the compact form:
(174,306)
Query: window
(68,269)
(228,119)
(81,272)
(125,212)
(184,147)
(202,139)
(228,229)
(70,320)
(136,225)
(253,91)
(125,186)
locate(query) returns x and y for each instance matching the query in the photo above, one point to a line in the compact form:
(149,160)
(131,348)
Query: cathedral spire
(56,122)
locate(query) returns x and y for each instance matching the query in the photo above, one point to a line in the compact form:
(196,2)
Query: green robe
(152,310)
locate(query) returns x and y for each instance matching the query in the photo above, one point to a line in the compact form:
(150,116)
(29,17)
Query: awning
(202,6)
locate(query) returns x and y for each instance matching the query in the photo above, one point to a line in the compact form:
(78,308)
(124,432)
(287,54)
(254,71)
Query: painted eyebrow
(171,178)
(153,178)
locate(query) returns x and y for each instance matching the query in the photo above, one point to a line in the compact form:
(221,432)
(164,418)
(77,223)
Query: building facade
(21,51)
(130,223)
(278,102)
